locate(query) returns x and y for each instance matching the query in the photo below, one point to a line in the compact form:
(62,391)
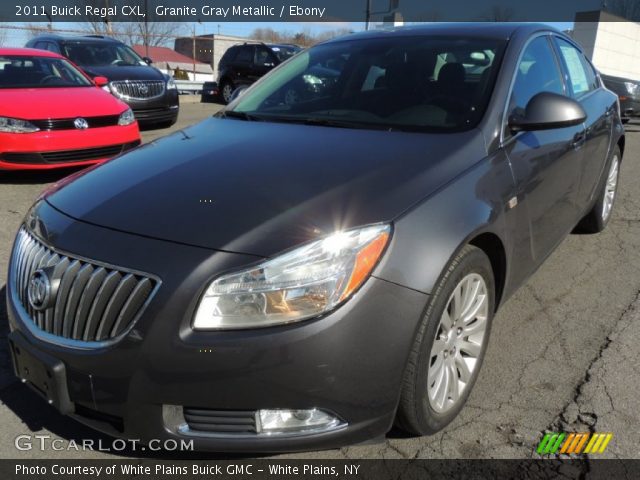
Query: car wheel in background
(450,345)
(226,91)
(597,219)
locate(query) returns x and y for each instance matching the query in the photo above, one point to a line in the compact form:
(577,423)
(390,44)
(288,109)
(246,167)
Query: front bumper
(629,107)
(349,362)
(159,110)
(64,148)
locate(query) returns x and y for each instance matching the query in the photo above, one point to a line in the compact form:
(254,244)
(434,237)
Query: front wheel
(598,217)
(450,345)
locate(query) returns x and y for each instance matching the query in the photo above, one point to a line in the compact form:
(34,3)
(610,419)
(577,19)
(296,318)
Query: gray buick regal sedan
(303,274)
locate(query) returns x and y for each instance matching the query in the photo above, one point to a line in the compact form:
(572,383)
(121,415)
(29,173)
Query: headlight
(171,84)
(15,125)
(300,284)
(126,117)
(631,87)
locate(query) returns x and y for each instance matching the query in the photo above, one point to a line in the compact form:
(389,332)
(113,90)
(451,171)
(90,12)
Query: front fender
(427,237)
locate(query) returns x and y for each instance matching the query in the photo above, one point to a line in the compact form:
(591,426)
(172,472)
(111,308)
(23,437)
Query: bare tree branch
(304,38)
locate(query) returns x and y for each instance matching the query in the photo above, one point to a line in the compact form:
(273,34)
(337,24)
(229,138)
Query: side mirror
(237,93)
(546,111)
(100,81)
(147,60)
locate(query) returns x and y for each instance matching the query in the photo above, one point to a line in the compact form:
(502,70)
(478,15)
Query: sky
(17,38)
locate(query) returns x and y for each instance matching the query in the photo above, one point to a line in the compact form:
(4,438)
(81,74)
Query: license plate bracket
(44,374)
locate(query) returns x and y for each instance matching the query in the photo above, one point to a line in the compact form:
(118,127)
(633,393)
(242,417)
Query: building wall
(209,48)
(612,45)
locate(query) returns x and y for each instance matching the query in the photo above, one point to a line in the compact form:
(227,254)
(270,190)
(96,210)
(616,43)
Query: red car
(52,115)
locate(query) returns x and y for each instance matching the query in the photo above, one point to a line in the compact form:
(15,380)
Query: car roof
(497,30)
(282,45)
(75,38)
(32,52)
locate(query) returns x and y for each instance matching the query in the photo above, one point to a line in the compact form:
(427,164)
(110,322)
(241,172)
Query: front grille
(220,421)
(89,302)
(69,155)
(138,89)
(67,123)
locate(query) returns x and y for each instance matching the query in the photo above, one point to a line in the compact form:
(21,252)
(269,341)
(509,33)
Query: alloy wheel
(227,91)
(610,188)
(458,343)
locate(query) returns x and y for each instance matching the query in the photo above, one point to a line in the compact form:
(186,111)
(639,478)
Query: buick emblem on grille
(39,291)
(143,89)
(80,124)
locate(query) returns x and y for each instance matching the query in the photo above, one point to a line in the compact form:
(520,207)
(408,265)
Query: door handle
(578,140)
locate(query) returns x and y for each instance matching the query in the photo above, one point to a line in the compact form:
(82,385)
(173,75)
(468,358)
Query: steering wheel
(449,103)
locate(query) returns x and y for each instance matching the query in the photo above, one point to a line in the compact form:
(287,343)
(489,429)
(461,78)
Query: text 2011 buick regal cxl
(297,275)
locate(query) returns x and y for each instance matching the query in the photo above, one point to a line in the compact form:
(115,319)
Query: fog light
(292,421)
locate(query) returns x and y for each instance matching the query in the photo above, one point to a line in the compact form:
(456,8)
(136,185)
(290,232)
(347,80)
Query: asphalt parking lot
(563,353)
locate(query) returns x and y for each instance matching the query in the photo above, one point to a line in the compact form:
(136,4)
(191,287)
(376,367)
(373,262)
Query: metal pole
(194,52)
(368,15)
(146,29)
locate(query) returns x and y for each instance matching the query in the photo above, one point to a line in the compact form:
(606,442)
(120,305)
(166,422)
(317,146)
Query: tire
(226,90)
(598,217)
(419,411)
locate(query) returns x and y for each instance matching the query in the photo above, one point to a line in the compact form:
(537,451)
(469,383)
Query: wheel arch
(493,248)
(621,143)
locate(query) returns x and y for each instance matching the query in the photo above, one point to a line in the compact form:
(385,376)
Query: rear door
(243,64)
(546,164)
(264,60)
(584,86)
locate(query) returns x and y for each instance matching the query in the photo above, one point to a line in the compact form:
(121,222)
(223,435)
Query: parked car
(209,92)
(151,94)
(628,92)
(299,276)
(53,116)
(241,65)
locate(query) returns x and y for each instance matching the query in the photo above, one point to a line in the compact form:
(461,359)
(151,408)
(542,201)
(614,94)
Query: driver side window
(537,72)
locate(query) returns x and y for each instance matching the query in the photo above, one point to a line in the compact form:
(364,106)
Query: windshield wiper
(240,115)
(328,122)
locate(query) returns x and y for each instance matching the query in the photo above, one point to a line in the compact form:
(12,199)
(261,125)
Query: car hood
(41,103)
(260,188)
(115,72)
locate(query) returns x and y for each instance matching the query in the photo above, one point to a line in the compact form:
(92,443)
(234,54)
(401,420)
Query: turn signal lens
(300,284)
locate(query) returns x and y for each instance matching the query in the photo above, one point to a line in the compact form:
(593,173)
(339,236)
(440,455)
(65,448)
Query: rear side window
(229,56)
(580,76)
(537,72)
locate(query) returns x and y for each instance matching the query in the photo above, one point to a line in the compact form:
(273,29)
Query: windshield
(101,54)
(405,83)
(39,72)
